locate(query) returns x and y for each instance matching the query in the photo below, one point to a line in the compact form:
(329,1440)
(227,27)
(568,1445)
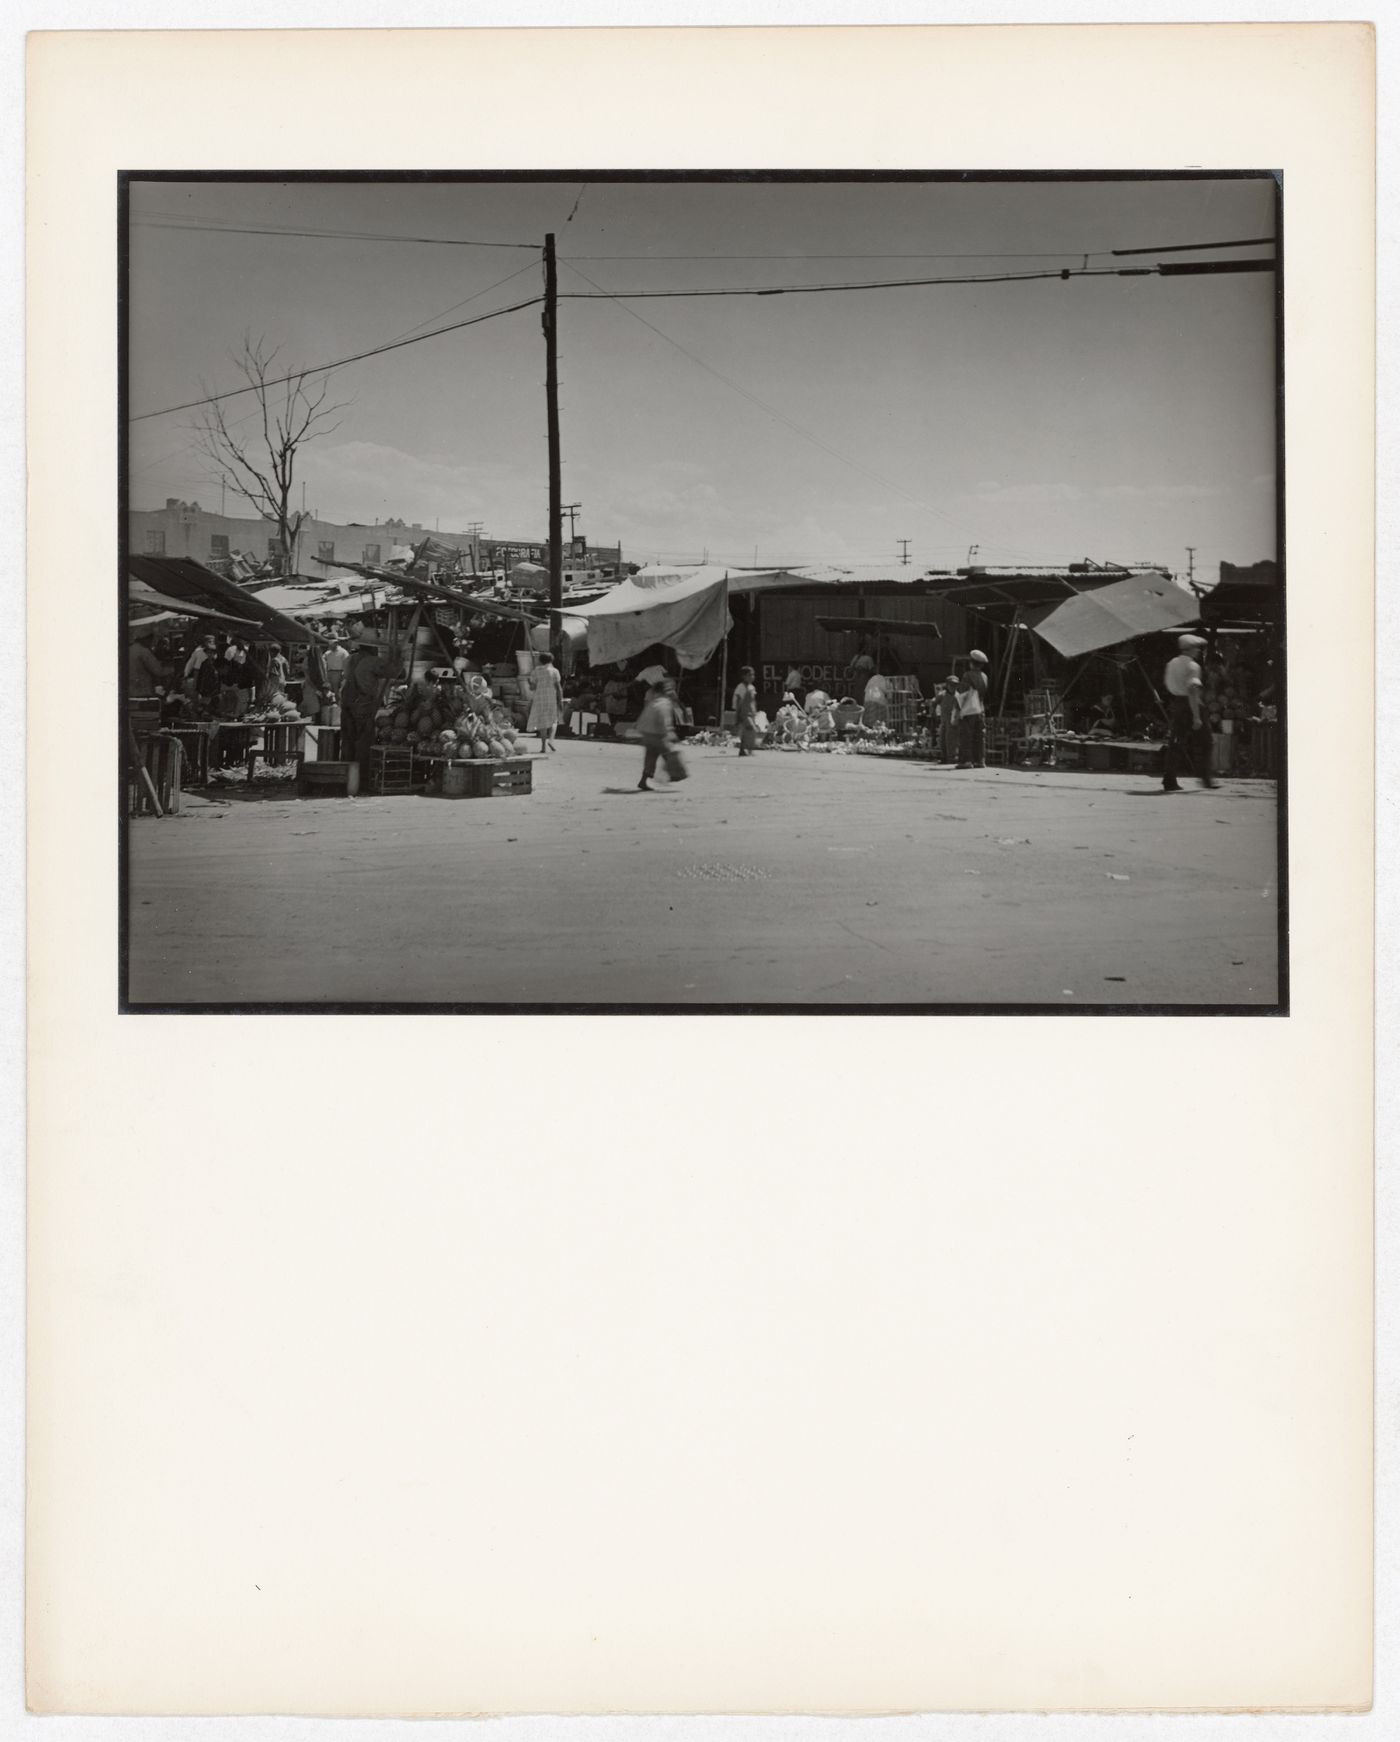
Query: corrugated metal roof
(1001,592)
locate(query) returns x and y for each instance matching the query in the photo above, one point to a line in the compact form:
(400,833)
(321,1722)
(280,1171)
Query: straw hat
(1187,642)
(978,655)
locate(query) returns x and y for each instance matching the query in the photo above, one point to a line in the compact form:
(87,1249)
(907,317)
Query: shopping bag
(675,763)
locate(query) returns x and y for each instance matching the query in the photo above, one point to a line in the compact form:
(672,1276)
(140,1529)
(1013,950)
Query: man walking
(1188,736)
(972,712)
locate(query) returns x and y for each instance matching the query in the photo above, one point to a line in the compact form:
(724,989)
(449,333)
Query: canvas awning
(687,611)
(1142,604)
(163,608)
(186,582)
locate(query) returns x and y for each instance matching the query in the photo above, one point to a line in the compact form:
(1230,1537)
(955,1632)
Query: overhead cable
(326,235)
(339,363)
(1196,247)
(1066,272)
(772,411)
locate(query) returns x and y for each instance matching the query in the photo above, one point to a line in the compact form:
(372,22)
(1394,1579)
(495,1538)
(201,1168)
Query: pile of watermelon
(474,739)
(433,726)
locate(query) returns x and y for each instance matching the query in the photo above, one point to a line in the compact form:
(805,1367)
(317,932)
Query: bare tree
(260,465)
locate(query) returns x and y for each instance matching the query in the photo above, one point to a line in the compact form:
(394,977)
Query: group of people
(958,714)
(220,677)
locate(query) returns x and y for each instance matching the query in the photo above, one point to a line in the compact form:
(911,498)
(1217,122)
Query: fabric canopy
(164,607)
(1143,604)
(687,611)
(179,579)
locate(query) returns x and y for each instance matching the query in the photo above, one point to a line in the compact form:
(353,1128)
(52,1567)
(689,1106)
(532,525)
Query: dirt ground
(782,879)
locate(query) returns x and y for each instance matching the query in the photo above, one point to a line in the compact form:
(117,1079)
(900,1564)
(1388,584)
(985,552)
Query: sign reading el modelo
(773,675)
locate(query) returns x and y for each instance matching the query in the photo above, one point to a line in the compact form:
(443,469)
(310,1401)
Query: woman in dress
(546,702)
(745,705)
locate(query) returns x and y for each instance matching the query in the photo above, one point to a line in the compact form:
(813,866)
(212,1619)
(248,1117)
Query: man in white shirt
(208,649)
(1188,735)
(972,712)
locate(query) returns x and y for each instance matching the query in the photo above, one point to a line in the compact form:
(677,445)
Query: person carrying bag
(657,728)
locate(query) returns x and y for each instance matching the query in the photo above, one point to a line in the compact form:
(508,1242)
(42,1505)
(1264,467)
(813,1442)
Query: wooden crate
(508,779)
(161,756)
(275,745)
(323,779)
(395,770)
(194,743)
(323,743)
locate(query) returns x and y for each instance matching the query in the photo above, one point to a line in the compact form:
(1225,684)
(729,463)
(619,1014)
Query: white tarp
(686,610)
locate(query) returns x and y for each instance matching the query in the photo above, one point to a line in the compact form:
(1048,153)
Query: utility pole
(572,510)
(551,393)
(1191,566)
(903,544)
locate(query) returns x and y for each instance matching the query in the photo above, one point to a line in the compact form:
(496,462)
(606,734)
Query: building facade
(584,564)
(185,529)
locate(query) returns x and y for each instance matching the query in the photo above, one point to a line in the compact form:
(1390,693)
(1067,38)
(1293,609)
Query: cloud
(1158,492)
(989,491)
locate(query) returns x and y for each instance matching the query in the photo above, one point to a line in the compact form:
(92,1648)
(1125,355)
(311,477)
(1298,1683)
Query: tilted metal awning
(886,626)
(1137,605)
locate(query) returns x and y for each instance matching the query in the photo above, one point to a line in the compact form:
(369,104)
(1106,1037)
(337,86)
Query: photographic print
(736,592)
(494,426)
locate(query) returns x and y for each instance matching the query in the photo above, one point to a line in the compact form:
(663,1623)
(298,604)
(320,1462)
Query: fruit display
(276,710)
(454,721)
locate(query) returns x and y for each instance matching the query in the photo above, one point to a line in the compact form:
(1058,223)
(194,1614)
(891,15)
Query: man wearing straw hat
(370,667)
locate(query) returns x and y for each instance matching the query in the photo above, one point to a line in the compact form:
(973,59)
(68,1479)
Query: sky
(1118,419)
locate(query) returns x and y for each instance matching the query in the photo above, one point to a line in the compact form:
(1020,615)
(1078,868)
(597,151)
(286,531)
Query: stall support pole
(1010,661)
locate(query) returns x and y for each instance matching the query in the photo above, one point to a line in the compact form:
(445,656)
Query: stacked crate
(906,706)
(394,769)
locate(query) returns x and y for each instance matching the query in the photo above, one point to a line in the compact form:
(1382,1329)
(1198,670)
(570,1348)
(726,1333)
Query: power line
(339,363)
(150,465)
(771,410)
(1067,272)
(325,235)
(1196,247)
(965,254)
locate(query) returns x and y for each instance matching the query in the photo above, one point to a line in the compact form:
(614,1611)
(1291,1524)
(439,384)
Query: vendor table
(276,741)
(1117,755)
(580,721)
